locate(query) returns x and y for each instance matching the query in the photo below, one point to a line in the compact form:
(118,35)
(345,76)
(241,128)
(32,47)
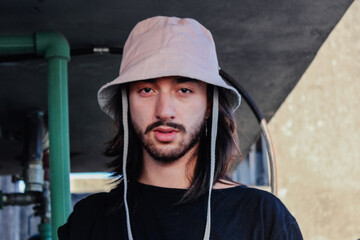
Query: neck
(177,174)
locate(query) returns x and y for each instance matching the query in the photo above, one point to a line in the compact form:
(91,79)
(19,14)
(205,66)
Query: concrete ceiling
(265,45)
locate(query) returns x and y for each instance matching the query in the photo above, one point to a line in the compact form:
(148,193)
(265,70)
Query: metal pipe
(17,44)
(20,199)
(57,51)
(272,158)
(33,169)
(59,142)
(45,231)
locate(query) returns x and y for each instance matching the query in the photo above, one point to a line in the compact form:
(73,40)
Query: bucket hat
(168,46)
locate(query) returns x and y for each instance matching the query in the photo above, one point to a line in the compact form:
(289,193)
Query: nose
(165,107)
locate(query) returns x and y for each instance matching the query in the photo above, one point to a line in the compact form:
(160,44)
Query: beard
(166,155)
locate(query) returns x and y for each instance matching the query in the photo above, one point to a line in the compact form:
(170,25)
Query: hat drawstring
(125,153)
(214,128)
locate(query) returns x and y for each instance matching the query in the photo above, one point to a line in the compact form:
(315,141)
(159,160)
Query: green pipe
(56,50)
(45,231)
(59,142)
(52,44)
(17,44)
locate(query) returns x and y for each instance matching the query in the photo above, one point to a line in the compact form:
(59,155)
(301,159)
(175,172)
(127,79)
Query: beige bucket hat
(168,46)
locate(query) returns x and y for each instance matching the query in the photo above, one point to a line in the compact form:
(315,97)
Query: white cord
(214,125)
(125,152)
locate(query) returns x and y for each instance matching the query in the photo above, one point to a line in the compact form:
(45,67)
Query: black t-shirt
(237,213)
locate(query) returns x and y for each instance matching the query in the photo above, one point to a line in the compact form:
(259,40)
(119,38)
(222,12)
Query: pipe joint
(52,44)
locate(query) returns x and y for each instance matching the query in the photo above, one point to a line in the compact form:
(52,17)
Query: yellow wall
(91,185)
(316,133)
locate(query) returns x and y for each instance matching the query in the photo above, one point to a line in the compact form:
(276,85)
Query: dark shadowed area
(265,45)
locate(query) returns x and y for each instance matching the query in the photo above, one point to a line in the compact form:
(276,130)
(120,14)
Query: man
(175,140)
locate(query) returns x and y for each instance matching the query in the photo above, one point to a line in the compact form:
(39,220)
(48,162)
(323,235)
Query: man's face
(168,114)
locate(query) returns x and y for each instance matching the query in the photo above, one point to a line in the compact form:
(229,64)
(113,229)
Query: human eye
(184,90)
(146,90)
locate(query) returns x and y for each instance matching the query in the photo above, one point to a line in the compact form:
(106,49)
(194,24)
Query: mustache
(179,127)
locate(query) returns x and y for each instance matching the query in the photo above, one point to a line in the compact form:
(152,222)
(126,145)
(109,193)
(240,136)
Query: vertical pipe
(56,50)
(45,231)
(272,158)
(59,142)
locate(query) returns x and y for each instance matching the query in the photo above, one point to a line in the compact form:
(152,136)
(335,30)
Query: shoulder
(91,205)
(244,193)
(99,202)
(83,215)
(259,200)
(278,221)
(93,199)
(263,211)
(86,213)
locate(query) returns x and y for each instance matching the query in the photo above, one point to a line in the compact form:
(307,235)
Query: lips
(165,134)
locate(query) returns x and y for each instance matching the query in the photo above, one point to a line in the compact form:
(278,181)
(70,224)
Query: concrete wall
(316,133)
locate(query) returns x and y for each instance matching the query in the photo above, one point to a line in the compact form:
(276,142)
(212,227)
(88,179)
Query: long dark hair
(226,147)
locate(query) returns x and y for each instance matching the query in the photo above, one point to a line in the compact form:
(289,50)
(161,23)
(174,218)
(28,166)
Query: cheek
(134,110)
(140,114)
(196,112)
